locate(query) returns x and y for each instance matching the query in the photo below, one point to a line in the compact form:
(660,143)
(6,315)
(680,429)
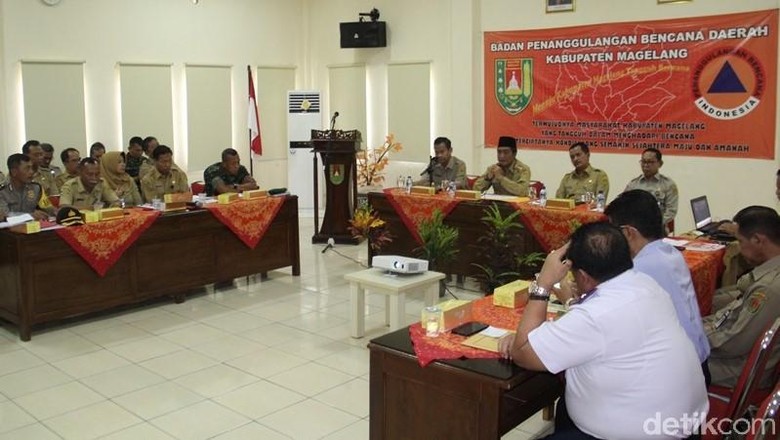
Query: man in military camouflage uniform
(584,178)
(163,179)
(70,160)
(743,311)
(661,187)
(20,194)
(228,175)
(88,189)
(34,151)
(509,176)
(444,166)
(135,158)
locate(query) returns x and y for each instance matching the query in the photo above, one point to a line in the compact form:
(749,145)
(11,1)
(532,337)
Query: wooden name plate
(177,197)
(468,194)
(27,228)
(175,206)
(563,204)
(111,213)
(426,190)
(255,194)
(512,295)
(90,216)
(224,199)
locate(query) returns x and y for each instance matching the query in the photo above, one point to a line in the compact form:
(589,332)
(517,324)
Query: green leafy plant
(439,241)
(499,250)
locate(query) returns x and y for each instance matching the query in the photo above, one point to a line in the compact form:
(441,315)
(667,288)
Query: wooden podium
(337,149)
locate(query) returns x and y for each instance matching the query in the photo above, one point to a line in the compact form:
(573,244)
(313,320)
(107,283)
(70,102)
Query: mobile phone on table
(469,328)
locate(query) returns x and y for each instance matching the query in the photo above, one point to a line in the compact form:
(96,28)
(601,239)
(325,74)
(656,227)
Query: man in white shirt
(630,367)
(638,215)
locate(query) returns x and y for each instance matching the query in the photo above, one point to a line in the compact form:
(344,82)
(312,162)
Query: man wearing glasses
(70,160)
(663,188)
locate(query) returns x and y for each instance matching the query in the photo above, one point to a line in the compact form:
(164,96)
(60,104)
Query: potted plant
(502,261)
(439,243)
(371,163)
(366,224)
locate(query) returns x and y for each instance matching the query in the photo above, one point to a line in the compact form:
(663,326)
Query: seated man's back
(626,357)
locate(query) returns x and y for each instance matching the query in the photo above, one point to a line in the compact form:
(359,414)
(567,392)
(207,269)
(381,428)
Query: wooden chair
(766,425)
(733,403)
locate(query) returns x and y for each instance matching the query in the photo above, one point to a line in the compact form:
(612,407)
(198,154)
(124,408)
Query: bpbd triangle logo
(728,83)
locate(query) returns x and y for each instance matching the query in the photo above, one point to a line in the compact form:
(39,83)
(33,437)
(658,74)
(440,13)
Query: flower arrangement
(372,162)
(366,224)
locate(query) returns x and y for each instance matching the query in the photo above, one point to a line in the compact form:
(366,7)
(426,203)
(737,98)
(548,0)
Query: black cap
(69,217)
(508,142)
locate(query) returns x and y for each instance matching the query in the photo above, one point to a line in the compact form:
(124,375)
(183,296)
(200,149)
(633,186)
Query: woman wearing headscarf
(112,170)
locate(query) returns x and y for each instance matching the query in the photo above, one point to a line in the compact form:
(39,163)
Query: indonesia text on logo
(514,84)
(728,83)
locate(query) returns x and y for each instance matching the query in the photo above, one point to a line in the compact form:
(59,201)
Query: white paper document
(13,220)
(494,332)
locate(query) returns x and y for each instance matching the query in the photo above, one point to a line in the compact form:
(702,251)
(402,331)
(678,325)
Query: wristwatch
(235,186)
(537,292)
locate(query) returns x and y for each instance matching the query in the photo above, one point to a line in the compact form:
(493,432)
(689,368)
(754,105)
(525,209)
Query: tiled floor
(265,360)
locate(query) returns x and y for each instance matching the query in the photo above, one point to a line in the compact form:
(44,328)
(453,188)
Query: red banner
(702,86)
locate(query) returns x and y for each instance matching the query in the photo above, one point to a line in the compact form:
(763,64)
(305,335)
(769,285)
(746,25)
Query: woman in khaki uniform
(112,170)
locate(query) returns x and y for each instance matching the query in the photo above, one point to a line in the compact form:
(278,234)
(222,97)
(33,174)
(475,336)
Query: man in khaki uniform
(89,189)
(34,151)
(584,178)
(149,144)
(70,160)
(20,195)
(164,178)
(661,187)
(444,166)
(509,176)
(743,311)
(48,156)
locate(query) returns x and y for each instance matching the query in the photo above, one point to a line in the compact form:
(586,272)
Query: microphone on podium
(333,120)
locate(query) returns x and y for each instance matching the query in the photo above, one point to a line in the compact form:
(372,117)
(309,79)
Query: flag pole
(249,130)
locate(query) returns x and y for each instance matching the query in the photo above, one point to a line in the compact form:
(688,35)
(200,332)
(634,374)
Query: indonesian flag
(253,121)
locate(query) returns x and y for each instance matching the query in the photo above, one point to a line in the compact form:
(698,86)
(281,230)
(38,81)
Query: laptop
(703,219)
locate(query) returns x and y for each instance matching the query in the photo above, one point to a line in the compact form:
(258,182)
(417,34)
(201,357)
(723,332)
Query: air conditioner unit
(303,116)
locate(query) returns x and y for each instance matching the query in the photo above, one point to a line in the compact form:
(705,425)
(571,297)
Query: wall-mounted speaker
(363,34)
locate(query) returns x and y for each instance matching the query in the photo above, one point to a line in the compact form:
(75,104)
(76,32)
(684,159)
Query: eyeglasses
(648,162)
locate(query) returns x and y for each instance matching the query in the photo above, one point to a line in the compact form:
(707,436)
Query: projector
(399,264)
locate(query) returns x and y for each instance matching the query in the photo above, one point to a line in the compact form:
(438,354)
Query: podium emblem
(336,173)
(513,84)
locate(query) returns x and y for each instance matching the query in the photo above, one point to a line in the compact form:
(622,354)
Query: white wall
(304,34)
(730,184)
(103,32)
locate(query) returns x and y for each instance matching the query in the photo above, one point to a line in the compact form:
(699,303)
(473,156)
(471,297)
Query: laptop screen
(701,211)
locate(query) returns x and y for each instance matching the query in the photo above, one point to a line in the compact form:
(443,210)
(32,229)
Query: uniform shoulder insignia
(756,301)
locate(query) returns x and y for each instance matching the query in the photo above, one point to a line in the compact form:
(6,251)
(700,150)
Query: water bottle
(408,184)
(543,197)
(600,200)
(451,189)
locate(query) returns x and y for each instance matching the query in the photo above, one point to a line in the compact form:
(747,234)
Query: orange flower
(372,162)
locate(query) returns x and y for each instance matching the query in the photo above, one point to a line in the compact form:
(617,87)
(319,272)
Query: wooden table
(706,267)
(390,285)
(465,217)
(460,399)
(44,280)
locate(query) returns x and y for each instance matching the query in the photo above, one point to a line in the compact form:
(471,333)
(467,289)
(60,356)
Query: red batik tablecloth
(101,244)
(706,268)
(448,345)
(552,227)
(248,219)
(414,208)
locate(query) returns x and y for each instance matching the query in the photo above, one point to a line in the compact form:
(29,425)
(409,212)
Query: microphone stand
(429,171)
